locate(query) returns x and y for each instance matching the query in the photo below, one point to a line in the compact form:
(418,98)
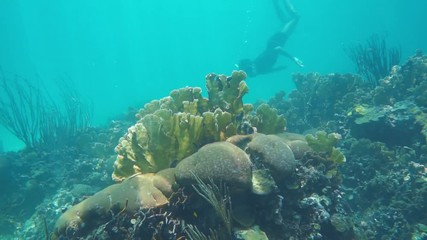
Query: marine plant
(37,120)
(220,200)
(373,59)
(193,233)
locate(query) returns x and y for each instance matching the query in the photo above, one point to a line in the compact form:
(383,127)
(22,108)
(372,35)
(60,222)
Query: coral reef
(233,163)
(170,129)
(137,192)
(383,133)
(345,103)
(221,161)
(406,82)
(213,169)
(401,119)
(40,185)
(174,127)
(206,143)
(319,100)
(386,188)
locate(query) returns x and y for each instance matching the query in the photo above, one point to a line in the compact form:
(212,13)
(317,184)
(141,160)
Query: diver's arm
(286,54)
(298,61)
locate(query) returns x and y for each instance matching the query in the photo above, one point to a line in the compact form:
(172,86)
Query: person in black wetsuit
(265,62)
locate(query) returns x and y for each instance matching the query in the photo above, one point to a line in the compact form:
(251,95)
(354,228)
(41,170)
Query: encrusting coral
(137,192)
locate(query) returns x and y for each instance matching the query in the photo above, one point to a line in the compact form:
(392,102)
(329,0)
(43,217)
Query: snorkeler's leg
(290,25)
(279,12)
(290,8)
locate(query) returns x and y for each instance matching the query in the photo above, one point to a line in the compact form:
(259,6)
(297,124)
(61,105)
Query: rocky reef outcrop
(194,166)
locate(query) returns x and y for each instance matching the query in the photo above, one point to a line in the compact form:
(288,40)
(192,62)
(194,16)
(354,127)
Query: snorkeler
(264,63)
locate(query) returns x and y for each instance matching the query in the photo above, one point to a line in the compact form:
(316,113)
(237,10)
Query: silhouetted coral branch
(37,119)
(20,109)
(219,198)
(193,233)
(374,59)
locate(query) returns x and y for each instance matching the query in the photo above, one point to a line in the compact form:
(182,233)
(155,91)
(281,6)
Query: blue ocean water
(124,53)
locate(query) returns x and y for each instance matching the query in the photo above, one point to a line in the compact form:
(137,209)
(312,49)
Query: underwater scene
(206,120)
